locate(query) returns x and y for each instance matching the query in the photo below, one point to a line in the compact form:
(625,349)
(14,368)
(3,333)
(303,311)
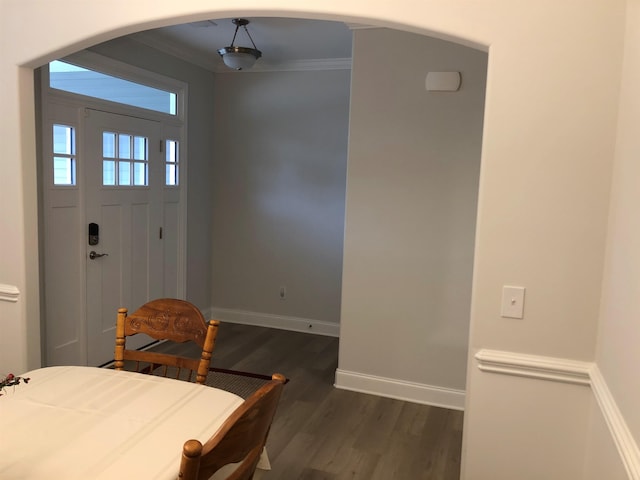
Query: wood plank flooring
(323,433)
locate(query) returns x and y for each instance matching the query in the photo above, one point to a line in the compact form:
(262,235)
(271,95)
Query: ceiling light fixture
(240,58)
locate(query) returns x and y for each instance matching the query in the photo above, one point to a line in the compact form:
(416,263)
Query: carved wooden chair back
(166,319)
(240,439)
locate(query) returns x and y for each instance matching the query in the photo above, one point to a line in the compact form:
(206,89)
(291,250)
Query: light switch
(512,302)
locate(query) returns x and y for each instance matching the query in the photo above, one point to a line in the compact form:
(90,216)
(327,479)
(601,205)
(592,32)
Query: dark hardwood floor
(321,432)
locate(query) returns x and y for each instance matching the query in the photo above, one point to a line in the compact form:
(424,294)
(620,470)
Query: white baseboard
(573,372)
(400,389)
(281,322)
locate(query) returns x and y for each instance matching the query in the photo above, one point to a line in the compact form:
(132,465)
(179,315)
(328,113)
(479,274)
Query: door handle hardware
(93,255)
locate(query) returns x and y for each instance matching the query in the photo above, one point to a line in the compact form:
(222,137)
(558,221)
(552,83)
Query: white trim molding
(9,293)
(534,366)
(572,372)
(281,322)
(214,64)
(400,389)
(622,437)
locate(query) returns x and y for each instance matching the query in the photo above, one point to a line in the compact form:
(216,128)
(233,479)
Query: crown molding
(214,64)
(170,48)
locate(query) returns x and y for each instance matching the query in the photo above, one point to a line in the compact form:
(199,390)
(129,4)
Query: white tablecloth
(99,424)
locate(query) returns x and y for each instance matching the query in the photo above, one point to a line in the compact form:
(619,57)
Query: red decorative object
(11,381)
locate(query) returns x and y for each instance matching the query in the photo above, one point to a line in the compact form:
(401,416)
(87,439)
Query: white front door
(124,174)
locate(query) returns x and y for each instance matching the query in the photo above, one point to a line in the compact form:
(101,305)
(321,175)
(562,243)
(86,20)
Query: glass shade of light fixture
(240,58)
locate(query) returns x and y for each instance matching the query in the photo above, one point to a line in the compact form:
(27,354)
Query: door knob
(93,255)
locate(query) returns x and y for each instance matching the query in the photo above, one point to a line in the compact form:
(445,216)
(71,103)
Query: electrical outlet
(283,292)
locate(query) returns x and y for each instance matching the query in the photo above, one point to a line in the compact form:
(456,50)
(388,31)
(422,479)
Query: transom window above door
(125,160)
(84,81)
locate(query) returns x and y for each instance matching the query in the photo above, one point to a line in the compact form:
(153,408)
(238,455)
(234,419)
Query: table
(101,424)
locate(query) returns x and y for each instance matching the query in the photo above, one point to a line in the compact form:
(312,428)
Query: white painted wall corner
(622,437)
(572,372)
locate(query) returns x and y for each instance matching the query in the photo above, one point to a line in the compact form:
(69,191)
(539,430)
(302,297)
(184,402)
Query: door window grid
(171,163)
(64,155)
(125,160)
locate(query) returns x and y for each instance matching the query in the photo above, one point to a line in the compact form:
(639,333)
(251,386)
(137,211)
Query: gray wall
(278,182)
(414,163)
(199,119)
(267,206)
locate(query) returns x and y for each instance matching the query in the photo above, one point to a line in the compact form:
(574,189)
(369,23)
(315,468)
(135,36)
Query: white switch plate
(512,302)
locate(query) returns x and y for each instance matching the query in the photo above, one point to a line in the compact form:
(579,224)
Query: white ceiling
(283,41)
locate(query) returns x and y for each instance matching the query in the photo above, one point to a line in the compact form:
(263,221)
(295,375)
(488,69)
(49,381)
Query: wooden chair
(166,319)
(240,440)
